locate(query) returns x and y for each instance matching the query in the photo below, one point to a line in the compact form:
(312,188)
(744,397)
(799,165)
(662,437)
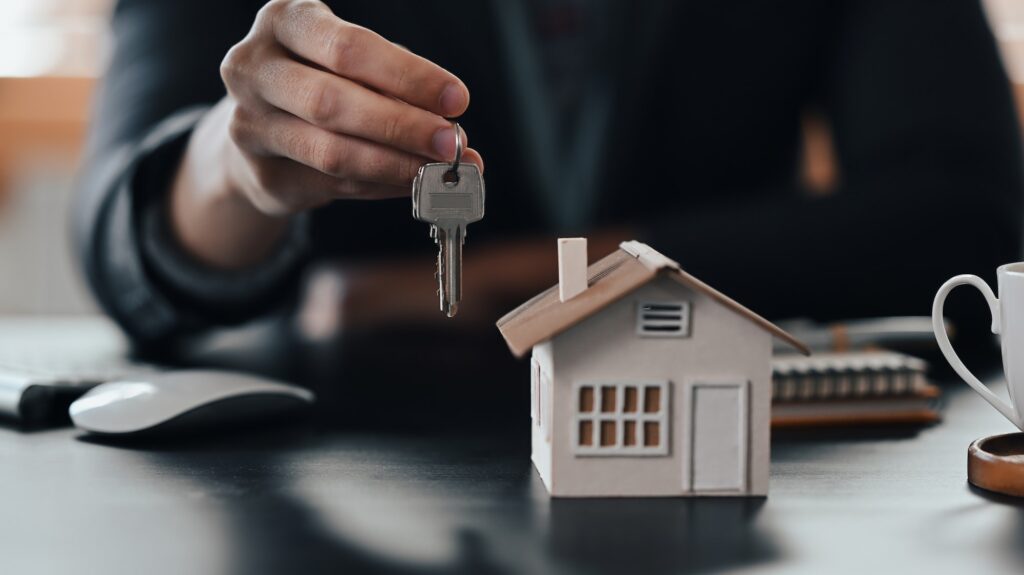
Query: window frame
(661,417)
(535,391)
(546,403)
(685,309)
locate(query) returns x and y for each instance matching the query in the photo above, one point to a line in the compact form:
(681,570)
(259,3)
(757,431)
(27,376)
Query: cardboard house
(645,380)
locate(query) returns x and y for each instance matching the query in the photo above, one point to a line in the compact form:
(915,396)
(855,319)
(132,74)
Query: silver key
(449,197)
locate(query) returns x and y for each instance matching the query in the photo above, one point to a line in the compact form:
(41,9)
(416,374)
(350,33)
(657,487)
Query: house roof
(634,264)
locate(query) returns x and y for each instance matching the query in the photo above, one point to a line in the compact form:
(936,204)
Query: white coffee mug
(1007,322)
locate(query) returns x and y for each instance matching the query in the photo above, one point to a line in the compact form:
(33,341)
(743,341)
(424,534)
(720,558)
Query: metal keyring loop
(458,147)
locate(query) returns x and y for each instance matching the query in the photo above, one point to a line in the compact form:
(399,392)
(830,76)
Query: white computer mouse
(183,400)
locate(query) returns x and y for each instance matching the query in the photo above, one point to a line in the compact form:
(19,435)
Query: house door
(719,412)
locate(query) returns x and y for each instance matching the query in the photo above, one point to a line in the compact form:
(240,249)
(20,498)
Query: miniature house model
(645,380)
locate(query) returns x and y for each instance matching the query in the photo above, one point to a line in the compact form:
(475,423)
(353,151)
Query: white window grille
(621,419)
(663,319)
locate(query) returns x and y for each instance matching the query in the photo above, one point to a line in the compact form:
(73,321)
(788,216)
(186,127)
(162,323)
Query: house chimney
(572,267)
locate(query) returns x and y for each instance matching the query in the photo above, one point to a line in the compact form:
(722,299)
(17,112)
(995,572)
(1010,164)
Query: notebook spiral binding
(827,376)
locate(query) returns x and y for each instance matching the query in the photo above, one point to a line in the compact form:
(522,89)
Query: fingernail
(453,100)
(444,143)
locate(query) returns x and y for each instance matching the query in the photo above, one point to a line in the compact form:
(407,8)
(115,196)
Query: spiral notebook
(852,388)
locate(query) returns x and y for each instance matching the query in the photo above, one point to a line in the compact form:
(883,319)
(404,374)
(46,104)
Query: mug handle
(947,349)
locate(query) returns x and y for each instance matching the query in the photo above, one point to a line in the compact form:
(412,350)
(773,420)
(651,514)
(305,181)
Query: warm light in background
(52,37)
(50,53)
(1007,19)
(67,37)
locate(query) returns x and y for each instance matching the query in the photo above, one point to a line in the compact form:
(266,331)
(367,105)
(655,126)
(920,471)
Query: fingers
(282,186)
(341,156)
(325,109)
(343,106)
(311,31)
(337,155)
(444,143)
(471,156)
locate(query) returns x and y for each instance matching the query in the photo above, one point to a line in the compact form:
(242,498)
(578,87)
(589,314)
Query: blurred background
(51,53)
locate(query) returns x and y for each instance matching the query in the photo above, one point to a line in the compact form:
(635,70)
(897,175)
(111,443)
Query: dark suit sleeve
(162,78)
(930,165)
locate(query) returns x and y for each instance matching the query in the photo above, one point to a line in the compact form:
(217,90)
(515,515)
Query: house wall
(541,434)
(605,348)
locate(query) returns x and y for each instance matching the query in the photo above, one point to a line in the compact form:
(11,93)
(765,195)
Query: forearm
(158,84)
(211,218)
(137,268)
(107,231)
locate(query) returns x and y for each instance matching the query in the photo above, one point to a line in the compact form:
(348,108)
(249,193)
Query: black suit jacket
(702,161)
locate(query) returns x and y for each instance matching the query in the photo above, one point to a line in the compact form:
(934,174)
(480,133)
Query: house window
(663,318)
(621,419)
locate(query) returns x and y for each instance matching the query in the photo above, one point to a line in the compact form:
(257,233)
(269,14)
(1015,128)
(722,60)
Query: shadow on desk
(998,498)
(659,535)
(1007,540)
(416,460)
(300,500)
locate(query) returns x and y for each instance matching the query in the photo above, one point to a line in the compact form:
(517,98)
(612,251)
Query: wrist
(211,217)
(217,168)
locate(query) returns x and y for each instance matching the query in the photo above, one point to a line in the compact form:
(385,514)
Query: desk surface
(299,500)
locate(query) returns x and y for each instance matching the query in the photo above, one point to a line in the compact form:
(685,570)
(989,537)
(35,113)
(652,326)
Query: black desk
(299,500)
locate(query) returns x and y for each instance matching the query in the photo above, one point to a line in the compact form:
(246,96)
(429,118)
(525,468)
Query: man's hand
(318,109)
(326,109)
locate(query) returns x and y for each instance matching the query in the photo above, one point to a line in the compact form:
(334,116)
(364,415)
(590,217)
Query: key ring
(458,147)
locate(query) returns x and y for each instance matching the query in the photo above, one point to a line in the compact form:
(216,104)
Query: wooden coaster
(997,464)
